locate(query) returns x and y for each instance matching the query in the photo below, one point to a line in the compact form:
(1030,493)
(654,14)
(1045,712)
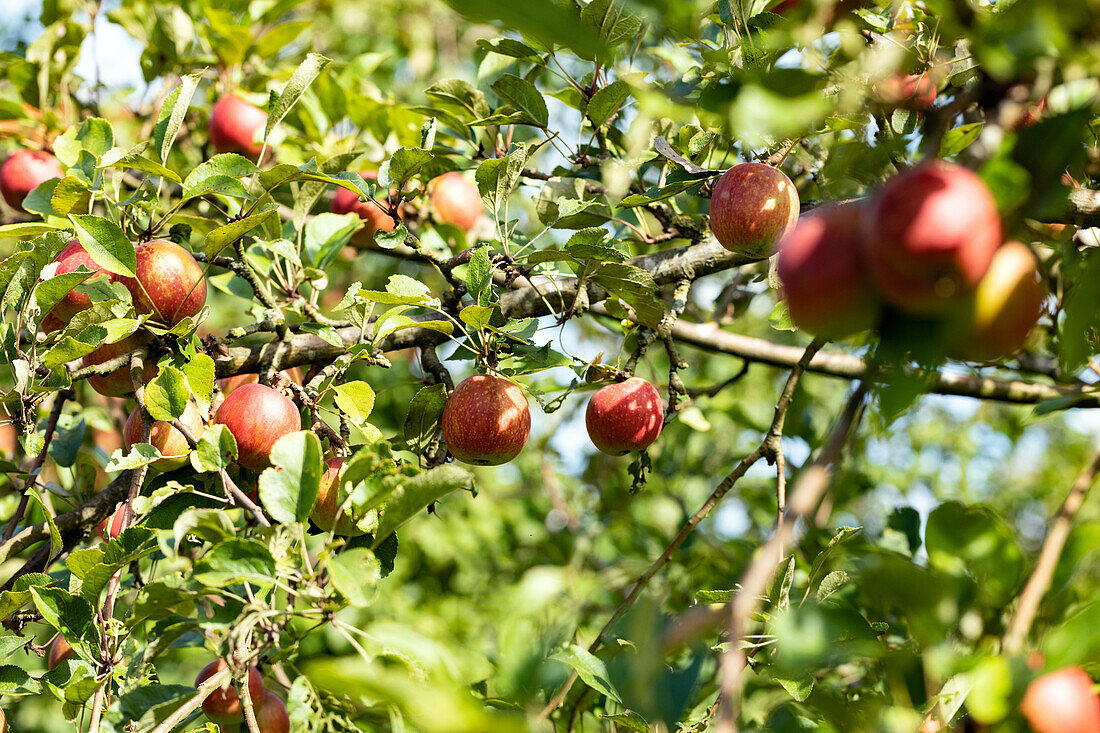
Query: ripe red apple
(71,259)
(996,319)
(224,705)
(165,438)
(326,512)
(752,207)
(60,650)
(456,200)
(915,92)
(374,219)
(486,420)
(785,6)
(1031,114)
(228,384)
(821,271)
(1062,702)
(24,171)
(101,529)
(257,416)
(236,127)
(624,417)
(929,236)
(118,382)
(169,282)
(3,722)
(272,717)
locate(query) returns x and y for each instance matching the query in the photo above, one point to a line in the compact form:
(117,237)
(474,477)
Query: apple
(224,705)
(236,126)
(169,283)
(456,200)
(1062,702)
(996,319)
(272,717)
(228,384)
(820,268)
(784,6)
(257,416)
(115,530)
(24,171)
(915,92)
(1031,114)
(929,235)
(118,382)
(71,259)
(60,650)
(374,219)
(165,438)
(3,722)
(486,420)
(326,512)
(624,417)
(752,207)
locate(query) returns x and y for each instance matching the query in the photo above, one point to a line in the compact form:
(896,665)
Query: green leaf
(299,81)
(171,114)
(606,102)
(589,668)
(402,166)
(476,316)
(223,236)
(522,95)
(479,275)
(634,286)
(614,23)
(166,396)
(199,372)
(67,613)
(510,47)
(417,493)
(138,162)
(830,584)
(23,230)
(959,139)
(105,243)
(216,450)
(355,399)
(628,720)
(355,573)
(289,490)
(974,541)
(425,410)
(142,454)
(236,561)
(497,177)
(70,196)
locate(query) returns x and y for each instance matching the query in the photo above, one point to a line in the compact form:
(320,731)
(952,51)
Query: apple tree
(569,365)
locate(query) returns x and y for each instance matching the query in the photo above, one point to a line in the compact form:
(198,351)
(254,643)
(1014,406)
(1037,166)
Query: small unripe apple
(224,705)
(118,382)
(996,319)
(169,282)
(486,420)
(1062,702)
(60,650)
(257,416)
(114,529)
(916,92)
(326,512)
(929,236)
(236,127)
(821,272)
(165,438)
(71,259)
(272,717)
(624,417)
(752,207)
(374,219)
(24,171)
(228,384)
(456,200)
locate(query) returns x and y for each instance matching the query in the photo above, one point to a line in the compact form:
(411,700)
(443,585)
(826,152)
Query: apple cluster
(486,421)
(223,705)
(926,245)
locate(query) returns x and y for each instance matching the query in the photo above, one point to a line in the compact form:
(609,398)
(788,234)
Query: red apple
(374,219)
(821,271)
(914,92)
(3,722)
(228,384)
(784,6)
(60,650)
(101,529)
(224,705)
(996,319)
(257,416)
(1031,114)
(71,259)
(486,420)
(118,383)
(752,207)
(326,512)
(456,200)
(624,417)
(1062,702)
(169,282)
(272,717)
(929,236)
(165,438)
(236,127)
(24,171)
